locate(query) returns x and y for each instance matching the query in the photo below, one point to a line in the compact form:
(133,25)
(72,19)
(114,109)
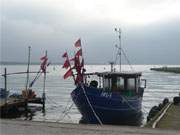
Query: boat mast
(27,78)
(119,47)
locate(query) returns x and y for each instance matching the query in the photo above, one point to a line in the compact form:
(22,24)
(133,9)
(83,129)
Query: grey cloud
(45,28)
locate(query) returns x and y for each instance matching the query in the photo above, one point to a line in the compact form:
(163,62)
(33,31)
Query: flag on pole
(78,43)
(66,64)
(65,55)
(72,59)
(43,58)
(79,53)
(68,74)
(43,66)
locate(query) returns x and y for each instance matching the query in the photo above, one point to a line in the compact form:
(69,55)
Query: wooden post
(5,84)
(5,87)
(27,82)
(27,78)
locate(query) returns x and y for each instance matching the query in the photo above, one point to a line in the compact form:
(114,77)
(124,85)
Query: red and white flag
(66,64)
(79,53)
(43,66)
(68,74)
(65,55)
(78,43)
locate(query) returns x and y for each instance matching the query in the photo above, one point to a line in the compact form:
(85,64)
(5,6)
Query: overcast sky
(150,29)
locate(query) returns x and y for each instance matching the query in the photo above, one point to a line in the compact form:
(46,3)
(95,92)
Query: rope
(133,108)
(91,106)
(65,111)
(36,77)
(127,59)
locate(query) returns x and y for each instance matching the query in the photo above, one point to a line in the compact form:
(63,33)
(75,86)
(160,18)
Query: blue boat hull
(110,107)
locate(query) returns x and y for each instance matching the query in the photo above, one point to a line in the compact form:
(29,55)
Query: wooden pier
(171,119)
(167,118)
(12,107)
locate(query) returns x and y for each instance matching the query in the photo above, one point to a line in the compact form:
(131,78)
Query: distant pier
(168,69)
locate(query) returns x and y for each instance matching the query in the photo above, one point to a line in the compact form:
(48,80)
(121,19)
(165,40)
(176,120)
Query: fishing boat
(110,97)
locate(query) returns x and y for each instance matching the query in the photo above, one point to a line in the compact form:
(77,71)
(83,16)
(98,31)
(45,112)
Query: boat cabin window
(131,83)
(113,83)
(120,84)
(107,83)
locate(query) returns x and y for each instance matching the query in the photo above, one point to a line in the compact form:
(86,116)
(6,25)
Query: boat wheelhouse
(126,83)
(113,98)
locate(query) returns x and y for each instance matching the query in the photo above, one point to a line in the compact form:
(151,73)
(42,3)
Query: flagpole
(27,82)
(83,63)
(27,78)
(44,85)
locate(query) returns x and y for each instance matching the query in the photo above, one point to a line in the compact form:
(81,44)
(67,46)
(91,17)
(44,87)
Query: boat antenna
(27,77)
(118,31)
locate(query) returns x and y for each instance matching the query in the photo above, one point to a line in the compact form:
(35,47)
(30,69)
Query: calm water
(159,86)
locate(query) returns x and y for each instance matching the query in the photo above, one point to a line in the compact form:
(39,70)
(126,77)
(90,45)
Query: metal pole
(27,79)
(119,48)
(44,85)
(27,82)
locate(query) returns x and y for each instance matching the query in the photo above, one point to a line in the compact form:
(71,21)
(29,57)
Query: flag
(43,66)
(66,64)
(79,53)
(79,79)
(68,74)
(65,55)
(43,58)
(77,63)
(72,59)
(78,43)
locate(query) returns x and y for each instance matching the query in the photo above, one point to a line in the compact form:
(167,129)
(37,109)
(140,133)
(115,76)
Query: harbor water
(59,106)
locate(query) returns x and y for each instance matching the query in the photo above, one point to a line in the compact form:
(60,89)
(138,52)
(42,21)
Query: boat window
(107,83)
(120,83)
(131,84)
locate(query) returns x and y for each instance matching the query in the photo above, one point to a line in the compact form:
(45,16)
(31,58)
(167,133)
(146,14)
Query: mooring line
(100,122)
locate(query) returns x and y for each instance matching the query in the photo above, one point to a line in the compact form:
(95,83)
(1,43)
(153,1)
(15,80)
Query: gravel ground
(17,127)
